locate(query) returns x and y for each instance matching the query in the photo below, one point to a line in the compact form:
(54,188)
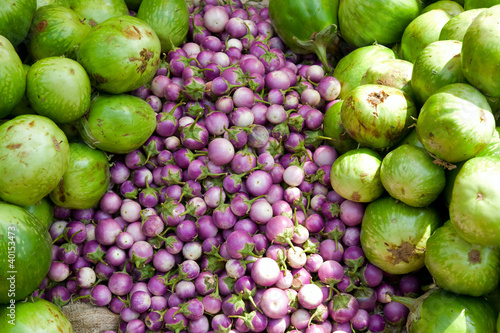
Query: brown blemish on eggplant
(405,252)
(133,33)
(14,146)
(56,143)
(474,257)
(377,97)
(40,26)
(99,78)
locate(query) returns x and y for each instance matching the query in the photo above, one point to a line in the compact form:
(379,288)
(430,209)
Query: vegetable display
(213,166)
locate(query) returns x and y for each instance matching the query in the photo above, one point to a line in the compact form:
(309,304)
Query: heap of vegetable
(238,183)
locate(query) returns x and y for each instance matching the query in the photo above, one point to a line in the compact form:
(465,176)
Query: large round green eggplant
(355,175)
(376,21)
(394,235)
(56,31)
(169,19)
(12,77)
(44,81)
(451,7)
(86,179)
(98,11)
(439,311)
(377,116)
(25,253)
(117,123)
(459,266)
(456,27)
(15,19)
(35,155)
(121,54)
(409,174)
(394,73)
(475,200)
(438,65)
(422,31)
(35,316)
(333,129)
(306,26)
(473,4)
(351,68)
(43,210)
(455,123)
(481,52)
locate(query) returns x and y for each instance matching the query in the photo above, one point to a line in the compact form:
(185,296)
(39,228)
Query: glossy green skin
(409,174)
(12,77)
(97,11)
(393,234)
(445,312)
(333,128)
(31,238)
(422,31)
(15,19)
(355,175)
(44,81)
(474,201)
(168,19)
(451,7)
(472,4)
(492,149)
(394,73)
(377,116)
(35,154)
(43,210)
(86,179)
(455,123)
(363,23)
(40,316)
(121,54)
(301,19)
(41,3)
(438,65)
(459,266)
(117,123)
(481,52)
(456,27)
(56,31)
(351,68)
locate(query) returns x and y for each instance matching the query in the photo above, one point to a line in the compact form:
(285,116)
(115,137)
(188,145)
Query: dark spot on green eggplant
(403,253)
(14,146)
(377,97)
(133,33)
(92,23)
(40,26)
(480,196)
(32,123)
(56,143)
(474,257)
(99,78)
